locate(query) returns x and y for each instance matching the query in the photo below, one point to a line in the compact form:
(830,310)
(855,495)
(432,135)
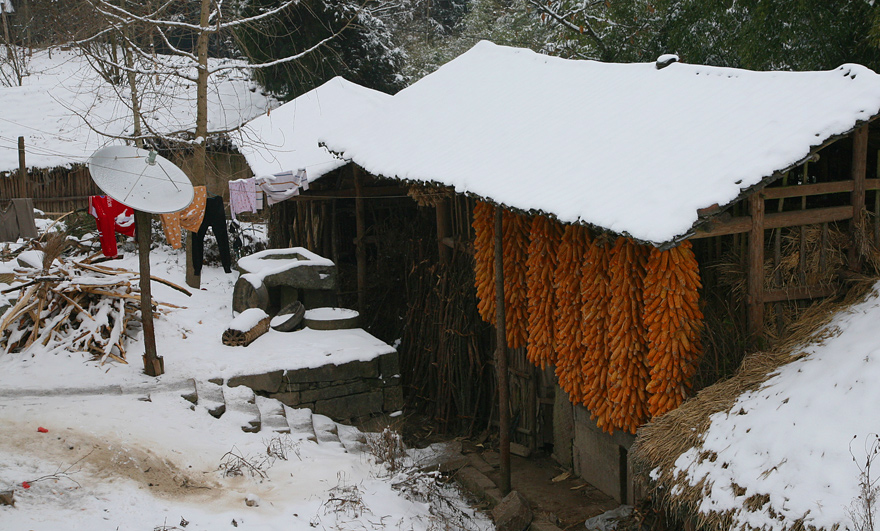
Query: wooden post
(877,208)
(22,169)
(360,245)
(755,296)
(443,231)
(859,168)
(501,358)
(153,364)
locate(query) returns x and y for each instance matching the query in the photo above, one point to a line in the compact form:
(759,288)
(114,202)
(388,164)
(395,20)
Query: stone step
(272,415)
(326,431)
(242,408)
(353,439)
(300,423)
(210,396)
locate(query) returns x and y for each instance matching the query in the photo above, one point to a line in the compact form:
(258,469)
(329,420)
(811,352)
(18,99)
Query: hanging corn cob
(628,373)
(484,259)
(596,296)
(545,235)
(516,250)
(673,321)
(567,317)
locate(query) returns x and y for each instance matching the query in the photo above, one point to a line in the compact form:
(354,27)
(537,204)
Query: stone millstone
(245,296)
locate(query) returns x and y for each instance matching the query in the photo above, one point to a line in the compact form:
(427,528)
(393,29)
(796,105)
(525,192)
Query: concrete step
(272,415)
(242,408)
(210,396)
(353,439)
(326,431)
(300,423)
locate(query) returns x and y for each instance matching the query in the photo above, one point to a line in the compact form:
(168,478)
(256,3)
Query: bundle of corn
(73,306)
(673,321)
(627,371)
(544,239)
(516,250)
(567,317)
(484,259)
(596,295)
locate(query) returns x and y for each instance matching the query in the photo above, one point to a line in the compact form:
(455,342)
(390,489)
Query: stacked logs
(621,323)
(515,252)
(74,306)
(627,370)
(484,259)
(673,321)
(545,235)
(596,295)
(567,317)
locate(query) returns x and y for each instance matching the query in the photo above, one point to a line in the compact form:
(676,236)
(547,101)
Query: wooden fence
(54,190)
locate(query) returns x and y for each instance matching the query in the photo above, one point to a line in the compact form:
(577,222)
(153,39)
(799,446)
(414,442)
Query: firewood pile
(73,305)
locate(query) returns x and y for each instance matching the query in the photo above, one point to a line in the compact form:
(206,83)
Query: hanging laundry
(112,217)
(190,218)
(17,220)
(215,218)
(242,196)
(282,186)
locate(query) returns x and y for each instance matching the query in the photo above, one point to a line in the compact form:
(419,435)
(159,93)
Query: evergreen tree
(363,51)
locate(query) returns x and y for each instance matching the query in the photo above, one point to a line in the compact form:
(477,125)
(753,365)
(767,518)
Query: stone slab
(513,513)
(269,382)
(335,391)
(352,406)
(331,373)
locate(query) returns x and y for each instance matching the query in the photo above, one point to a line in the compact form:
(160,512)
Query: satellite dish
(141,179)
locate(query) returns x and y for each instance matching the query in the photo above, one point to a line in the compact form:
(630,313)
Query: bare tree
(124,50)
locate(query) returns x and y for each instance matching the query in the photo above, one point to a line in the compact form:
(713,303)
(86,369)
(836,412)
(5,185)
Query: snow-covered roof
(627,147)
(286,139)
(47,109)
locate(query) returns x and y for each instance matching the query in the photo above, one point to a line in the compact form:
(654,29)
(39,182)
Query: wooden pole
(501,358)
(153,364)
(360,244)
(442,210)
(859,169)
(755,296)
(22,169)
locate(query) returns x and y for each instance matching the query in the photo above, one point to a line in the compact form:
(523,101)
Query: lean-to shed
(620,184)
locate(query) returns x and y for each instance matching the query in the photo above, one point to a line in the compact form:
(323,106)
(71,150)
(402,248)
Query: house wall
(592,454)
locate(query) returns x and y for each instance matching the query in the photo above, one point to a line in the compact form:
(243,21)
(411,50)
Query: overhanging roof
(630,148)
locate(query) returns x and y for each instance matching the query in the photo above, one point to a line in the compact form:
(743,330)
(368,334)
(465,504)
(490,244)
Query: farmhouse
(657,218)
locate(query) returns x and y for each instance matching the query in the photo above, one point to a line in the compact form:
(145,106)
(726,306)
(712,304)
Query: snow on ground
(48,109)
(801,438)
(111,460)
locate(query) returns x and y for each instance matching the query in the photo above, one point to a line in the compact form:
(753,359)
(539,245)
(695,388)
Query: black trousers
(215,217)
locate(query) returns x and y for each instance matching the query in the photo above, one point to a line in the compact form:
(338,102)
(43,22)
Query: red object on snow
(25,484)
(42,430)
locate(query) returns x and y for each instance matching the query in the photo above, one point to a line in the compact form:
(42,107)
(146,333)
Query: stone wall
(350,392)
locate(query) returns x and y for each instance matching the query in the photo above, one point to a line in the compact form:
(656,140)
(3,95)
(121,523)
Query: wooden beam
(859,170)
(755,297)
(366,191)
(800,292)
(360,249)
(808,189)
(778,220)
